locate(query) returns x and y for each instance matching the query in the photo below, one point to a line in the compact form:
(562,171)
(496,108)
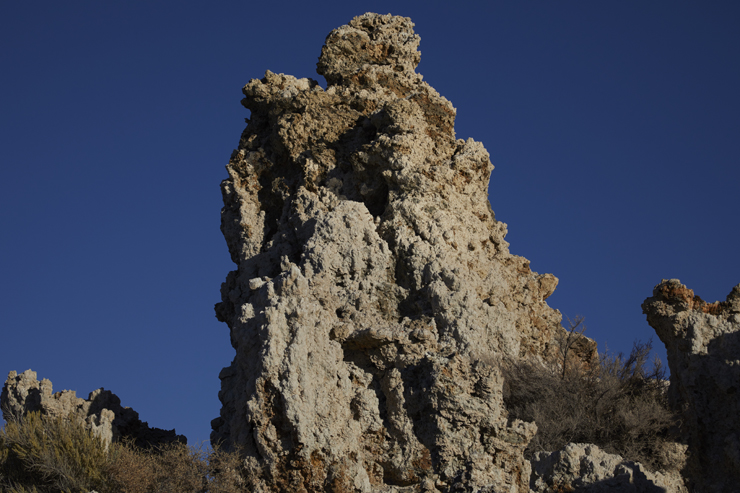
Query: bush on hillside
(42,454)
(618,404)
(39,453)
(175,468)
(171,467)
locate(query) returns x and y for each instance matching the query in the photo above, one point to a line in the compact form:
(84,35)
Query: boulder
(588,469)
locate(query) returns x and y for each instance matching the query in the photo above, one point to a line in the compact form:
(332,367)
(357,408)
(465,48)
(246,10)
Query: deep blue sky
(614,128)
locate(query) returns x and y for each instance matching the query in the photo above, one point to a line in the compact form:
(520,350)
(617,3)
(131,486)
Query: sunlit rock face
(101,412)
(374,293)
(703,344)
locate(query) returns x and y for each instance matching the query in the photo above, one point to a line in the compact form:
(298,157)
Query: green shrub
(46,454)
(618,404)
(42,454)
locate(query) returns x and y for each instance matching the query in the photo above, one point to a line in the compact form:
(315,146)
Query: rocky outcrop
(374,291)
(101,412)
(703,345)
(588,469)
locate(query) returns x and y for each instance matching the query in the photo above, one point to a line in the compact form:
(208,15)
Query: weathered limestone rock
(375,292)
(101,412)
(703,344)
(588,469)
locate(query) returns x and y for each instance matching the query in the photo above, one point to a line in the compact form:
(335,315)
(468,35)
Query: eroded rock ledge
(101,412)
(374,291)
(703,344)
(586,468)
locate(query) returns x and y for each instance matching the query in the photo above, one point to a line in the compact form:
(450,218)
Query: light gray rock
(101,412)
(374,291)
(703,345)
(586,468)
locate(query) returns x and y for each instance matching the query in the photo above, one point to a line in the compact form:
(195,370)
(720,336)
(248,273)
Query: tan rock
(374,292)
(703,345)
(588,469)
(101,412)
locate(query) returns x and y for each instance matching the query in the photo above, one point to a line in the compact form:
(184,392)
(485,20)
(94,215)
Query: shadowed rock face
(374,291)
(101,412)
(703,344)
(588,469)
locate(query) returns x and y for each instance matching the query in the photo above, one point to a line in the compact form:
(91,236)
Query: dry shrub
(171,467)
(176,468)
(21,489)
(619,405)
(228,472)
(131,470)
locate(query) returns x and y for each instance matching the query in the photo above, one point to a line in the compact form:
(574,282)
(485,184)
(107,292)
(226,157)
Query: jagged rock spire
(374,292)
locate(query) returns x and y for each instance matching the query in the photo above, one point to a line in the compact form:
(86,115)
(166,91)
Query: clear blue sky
(614,127)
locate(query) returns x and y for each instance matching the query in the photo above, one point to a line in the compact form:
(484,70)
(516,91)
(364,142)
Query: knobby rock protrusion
(703,345)
(101,412)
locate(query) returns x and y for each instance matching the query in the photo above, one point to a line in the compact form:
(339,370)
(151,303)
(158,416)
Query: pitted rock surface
(101,412)
(588,469)
(703,345)
(374,292)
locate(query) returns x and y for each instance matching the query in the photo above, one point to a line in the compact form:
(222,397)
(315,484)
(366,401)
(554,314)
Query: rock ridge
(101,412)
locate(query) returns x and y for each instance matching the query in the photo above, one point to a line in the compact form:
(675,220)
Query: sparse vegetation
(618,404)
(41,454)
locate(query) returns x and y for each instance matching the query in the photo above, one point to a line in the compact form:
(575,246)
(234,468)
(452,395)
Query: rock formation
(703,345)
(101,412)
(588,469)
(374,292)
